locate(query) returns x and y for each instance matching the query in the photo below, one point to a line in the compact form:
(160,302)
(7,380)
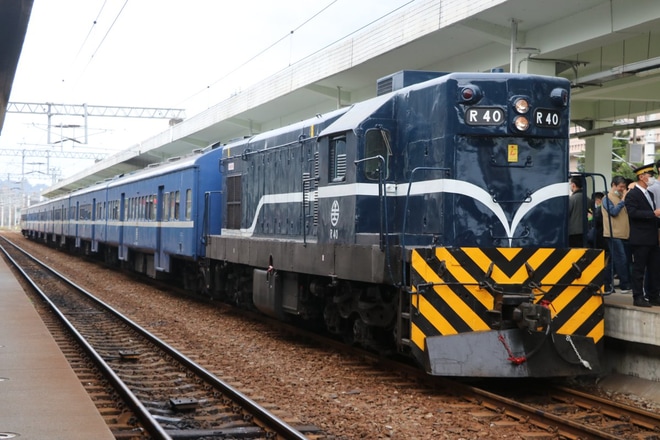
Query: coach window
(188,204)
(337,172)
(166,206)
(177,203)
(85,212)
(377,143)
(172,205)
(154,206)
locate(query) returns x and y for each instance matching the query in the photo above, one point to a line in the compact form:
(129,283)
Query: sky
(155,53)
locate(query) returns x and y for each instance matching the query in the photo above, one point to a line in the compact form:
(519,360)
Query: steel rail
(616,410)
(140,410)
(267,419)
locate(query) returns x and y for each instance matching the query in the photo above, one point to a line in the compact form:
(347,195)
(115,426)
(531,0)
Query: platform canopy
(14,17)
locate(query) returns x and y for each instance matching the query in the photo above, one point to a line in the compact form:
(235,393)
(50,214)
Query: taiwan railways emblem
(334,213)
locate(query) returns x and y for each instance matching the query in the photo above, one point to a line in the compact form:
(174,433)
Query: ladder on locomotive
(404,322)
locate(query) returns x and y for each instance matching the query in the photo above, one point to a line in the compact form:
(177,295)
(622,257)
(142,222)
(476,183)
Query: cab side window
(377,143)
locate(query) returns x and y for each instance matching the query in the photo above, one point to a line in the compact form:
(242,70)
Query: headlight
(521,123)
(521,105)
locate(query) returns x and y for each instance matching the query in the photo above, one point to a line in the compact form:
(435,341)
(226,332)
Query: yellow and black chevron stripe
(455,290)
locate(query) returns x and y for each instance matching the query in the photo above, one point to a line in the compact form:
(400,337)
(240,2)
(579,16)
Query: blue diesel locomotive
(430,220)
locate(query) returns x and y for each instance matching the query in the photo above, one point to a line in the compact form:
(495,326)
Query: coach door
(94,216)
(120,225)
(159,227)
(77,224)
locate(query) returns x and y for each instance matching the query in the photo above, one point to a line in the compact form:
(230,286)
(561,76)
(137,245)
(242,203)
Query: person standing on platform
(576,213)
(643,216)
(655,188)
(595,219)
(616,231)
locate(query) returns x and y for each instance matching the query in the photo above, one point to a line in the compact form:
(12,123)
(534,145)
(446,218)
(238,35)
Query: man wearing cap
(643,216)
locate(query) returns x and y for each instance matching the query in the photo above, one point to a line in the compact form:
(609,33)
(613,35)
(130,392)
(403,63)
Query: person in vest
(616,231)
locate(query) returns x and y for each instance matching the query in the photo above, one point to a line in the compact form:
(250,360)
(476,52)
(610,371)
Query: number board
(484,116)
(547,118)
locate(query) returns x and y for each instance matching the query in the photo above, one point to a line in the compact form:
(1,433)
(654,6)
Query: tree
(620,147)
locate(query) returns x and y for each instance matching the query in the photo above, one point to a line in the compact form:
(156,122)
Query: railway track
(544,407)
(558,411)
(572,414)
(545,412)
(170,396)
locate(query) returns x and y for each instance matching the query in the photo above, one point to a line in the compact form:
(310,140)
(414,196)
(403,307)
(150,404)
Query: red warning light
(467,94)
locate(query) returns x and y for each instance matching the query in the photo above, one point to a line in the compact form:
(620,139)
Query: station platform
(633,338)
(42,397)
(627,322)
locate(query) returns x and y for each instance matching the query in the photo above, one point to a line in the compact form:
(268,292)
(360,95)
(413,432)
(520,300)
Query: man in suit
(643,216)
(576,213)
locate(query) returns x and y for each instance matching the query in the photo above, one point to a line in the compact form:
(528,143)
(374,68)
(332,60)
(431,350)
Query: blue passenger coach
(151,220)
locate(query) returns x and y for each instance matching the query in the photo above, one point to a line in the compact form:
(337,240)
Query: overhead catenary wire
(360,28)
(287,35)
(96,20)
(270,46)
(104,37)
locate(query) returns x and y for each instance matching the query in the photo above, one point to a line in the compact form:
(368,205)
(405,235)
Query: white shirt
(655,190)
(648,196)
